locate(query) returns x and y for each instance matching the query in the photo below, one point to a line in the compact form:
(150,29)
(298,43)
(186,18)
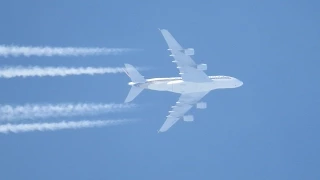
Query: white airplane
(193,84)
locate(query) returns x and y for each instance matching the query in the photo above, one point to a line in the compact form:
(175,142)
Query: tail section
(135,77)
(133,93)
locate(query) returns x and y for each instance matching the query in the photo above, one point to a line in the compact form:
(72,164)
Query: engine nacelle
(189,52)
(188,118)
(202,105)
(202,67)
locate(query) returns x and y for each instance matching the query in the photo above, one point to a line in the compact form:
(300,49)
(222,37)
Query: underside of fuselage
(177,85)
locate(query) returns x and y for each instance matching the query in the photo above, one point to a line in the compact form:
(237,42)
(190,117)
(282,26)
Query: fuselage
(177,85)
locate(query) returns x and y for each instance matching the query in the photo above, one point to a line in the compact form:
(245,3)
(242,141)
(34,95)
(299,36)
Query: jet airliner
(192,85)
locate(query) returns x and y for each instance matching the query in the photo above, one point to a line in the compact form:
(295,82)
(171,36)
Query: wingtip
(161,30)
(127,100)
(128,66)
(161,131)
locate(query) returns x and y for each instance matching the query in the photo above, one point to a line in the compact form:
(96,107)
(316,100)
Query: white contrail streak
(17,128)
(6,50)
(33,111)
(10,72)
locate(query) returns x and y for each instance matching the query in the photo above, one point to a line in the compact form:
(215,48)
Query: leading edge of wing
(185,64)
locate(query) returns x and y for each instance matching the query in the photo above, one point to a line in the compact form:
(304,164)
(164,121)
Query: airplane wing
(184,104)
(185,64)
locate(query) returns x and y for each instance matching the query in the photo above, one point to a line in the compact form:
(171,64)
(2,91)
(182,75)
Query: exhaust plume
(33,111)
(11,72)
(15,51)
(17,128)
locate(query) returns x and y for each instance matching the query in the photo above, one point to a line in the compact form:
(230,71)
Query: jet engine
(202,67)
(189,52)
(201,105)
(188,118)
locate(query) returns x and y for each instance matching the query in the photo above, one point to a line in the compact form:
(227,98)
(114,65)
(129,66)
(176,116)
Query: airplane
(193,83)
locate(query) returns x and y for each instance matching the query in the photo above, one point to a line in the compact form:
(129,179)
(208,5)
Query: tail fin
(135,77)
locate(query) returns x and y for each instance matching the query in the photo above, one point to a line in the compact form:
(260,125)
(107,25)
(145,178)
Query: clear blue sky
(267,129)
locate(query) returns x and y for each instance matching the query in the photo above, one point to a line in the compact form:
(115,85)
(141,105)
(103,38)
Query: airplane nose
(238,83)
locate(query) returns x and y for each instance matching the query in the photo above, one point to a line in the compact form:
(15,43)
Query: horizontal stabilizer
(134,75)
(133,93)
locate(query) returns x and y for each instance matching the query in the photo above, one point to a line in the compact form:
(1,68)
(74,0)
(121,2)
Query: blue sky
(267,129)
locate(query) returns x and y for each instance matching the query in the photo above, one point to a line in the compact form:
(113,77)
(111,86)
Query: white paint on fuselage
(177,85)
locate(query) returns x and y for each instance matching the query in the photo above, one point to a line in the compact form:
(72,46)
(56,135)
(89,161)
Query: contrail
(33,111)
(6,50)
(17,128)
(10,72)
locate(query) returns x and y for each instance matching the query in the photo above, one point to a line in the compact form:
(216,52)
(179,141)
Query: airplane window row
(220,77)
